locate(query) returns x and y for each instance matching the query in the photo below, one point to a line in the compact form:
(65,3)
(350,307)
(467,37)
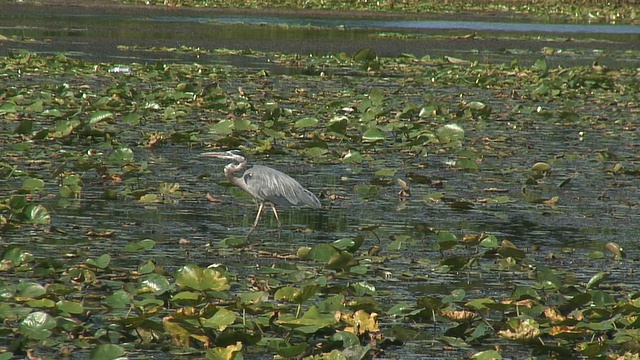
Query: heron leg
(255,223)
(275,213)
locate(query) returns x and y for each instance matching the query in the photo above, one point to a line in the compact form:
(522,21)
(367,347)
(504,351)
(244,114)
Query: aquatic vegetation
(419,152)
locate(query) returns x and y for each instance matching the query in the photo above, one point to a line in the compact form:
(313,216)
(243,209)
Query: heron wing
(269,184)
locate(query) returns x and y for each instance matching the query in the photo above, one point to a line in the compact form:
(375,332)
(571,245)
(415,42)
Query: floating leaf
(341,261)
(37,214)
(541,64)
(24,127)
(132,118)
(32,185)
(13,256)
(8,107)
(37,325)
(70,307)
(450,133)
(106,352)
(100,116)
(322,252)
(289,351)
(229,352)
(154,283)
(305,122)
(121,154)
(541,167)
(615,249)
(143,245)
(101,262)
(597,279)
(192,276)
(364,54)
(30,289)
(120,299)
(220,320)
(352,157)
(366,191)
(466,164)
(487,355)
(373,135)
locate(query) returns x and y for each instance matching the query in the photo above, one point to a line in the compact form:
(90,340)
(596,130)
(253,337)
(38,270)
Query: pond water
(96,34)
(596,207)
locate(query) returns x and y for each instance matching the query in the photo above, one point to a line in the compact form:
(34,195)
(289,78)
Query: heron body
(265,185)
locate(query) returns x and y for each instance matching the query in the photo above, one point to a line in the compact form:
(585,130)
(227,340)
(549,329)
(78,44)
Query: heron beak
(215,154)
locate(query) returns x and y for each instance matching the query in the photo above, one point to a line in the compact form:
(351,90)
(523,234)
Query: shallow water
(596,207)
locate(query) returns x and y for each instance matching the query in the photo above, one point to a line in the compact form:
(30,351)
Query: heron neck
(231,169)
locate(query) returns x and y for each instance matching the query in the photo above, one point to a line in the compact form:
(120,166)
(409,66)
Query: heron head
(233,155)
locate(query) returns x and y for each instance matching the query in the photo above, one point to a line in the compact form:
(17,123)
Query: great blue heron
(266,185)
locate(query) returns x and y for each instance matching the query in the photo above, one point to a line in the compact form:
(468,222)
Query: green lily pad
(102,262)
(220,320)
(305,122)
(373,135)
(37,214)
(192,276)
(37,325)
(70,307)
(100,116)
(143,245)
(121,155)
(106,352)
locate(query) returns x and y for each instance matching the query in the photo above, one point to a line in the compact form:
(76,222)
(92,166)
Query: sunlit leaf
(121,154)
(220,320)
(37,214)
(541,166)
(100,116)
(373,135)
(13,256)
(596,279)
(352,157)
(155,283)
(101,262)
(450,133)
(194,277)
(37,325)
(230,352)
